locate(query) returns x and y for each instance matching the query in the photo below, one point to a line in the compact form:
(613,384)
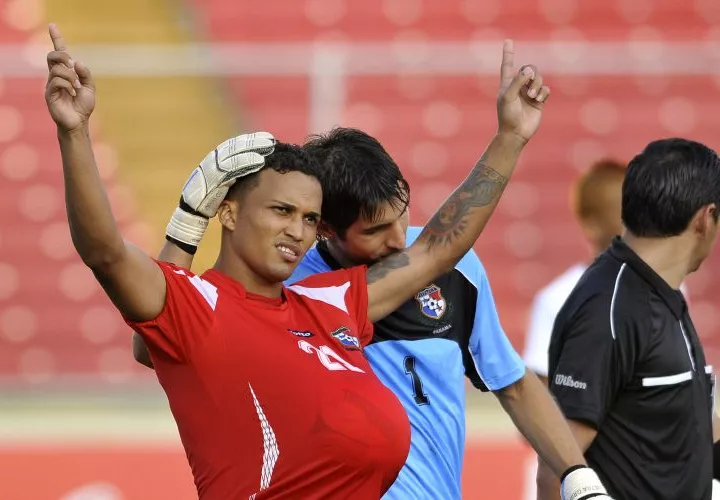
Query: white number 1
(324,354)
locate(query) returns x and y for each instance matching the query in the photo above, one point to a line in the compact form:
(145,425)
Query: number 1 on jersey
(418,392)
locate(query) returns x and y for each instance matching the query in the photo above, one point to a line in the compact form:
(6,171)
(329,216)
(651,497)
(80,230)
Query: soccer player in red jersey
(269,386)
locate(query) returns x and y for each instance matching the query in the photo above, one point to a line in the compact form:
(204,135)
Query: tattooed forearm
(481,188)
(382,268)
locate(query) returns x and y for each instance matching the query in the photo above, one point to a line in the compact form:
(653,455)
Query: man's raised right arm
(173,253)
(131,279)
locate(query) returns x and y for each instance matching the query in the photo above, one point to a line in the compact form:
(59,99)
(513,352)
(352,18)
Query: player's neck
(668,257)
(237,270)
(339,255)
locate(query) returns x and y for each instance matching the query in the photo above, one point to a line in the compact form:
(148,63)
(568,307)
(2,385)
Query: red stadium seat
(372,20)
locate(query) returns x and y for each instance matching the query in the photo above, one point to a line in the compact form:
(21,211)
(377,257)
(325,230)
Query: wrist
(185,247)
(187,208)
(186,230)
(511,140)
(82,131)
(580,482)
(572,469)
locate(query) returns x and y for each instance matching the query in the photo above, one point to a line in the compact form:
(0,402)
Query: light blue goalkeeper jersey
(423,352)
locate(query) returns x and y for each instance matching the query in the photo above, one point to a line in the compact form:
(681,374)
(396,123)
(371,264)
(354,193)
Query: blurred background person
(595,200)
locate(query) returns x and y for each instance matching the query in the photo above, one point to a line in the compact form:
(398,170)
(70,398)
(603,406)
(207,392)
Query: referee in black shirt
(626,364)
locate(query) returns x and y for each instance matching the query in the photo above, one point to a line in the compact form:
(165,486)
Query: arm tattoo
(480,189)
(382,268)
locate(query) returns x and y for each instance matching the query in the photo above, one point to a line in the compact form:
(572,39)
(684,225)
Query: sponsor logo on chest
(301,333)
(432,303)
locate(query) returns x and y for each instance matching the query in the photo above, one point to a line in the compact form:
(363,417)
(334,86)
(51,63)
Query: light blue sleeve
(312,263)
(495,359)
(412,233)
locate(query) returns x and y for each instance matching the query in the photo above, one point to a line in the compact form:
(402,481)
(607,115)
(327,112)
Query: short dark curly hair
(667,184)
(285,158)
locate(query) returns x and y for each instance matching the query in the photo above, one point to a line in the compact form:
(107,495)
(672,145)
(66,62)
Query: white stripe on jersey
(270,446)
(207,290)
(333,295)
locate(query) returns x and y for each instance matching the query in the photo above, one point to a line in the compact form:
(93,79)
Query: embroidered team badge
(346,339)
(432,303)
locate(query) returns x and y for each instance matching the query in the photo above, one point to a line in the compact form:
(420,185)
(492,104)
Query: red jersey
(273,398)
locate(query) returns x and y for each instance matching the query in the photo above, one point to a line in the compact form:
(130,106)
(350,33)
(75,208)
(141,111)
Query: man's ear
(705,219)
(227,213)
(325,231)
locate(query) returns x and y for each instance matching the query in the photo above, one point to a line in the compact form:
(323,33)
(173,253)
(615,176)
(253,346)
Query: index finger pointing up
(507,67)
(57,39)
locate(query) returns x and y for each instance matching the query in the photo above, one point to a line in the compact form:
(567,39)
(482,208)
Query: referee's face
(367,241)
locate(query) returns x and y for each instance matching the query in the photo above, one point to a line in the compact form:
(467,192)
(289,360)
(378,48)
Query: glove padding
(580,483)
(209,183)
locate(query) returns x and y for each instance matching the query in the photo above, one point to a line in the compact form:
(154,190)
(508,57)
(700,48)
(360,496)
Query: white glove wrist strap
(186,228)
(581,484)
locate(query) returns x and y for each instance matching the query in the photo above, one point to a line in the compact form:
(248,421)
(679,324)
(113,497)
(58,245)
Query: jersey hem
(506,380)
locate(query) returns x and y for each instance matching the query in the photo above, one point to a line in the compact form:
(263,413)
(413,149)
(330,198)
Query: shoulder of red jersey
(169,266)
(188,313)
(191,281)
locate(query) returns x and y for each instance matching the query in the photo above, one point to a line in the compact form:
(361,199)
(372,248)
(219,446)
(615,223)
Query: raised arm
(173,253)
(200,199)
(452,231)
(131,279)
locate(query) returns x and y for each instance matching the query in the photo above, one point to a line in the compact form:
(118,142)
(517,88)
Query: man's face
(366,242)
(276,223)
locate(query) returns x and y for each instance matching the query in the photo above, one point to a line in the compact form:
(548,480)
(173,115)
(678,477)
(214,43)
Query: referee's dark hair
(667,184)
(359,177)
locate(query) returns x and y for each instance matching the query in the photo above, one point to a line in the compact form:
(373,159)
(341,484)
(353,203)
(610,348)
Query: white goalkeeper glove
(207,186)
(582,483)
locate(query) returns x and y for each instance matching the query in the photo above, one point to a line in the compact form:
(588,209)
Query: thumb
(84,75)
(525,75)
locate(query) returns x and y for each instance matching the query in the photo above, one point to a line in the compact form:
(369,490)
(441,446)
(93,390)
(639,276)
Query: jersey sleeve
(491,352)
(188,313)
(537,341)
(592,358)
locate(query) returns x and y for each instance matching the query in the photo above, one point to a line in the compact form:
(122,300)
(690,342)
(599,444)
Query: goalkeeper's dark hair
(359,176)
(285,158)
(667,184)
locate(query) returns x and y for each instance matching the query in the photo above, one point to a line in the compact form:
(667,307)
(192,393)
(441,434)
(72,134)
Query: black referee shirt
(625,358)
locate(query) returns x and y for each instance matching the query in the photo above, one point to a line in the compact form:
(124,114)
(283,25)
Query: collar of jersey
(673,298)
(234,288)
(322,249)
